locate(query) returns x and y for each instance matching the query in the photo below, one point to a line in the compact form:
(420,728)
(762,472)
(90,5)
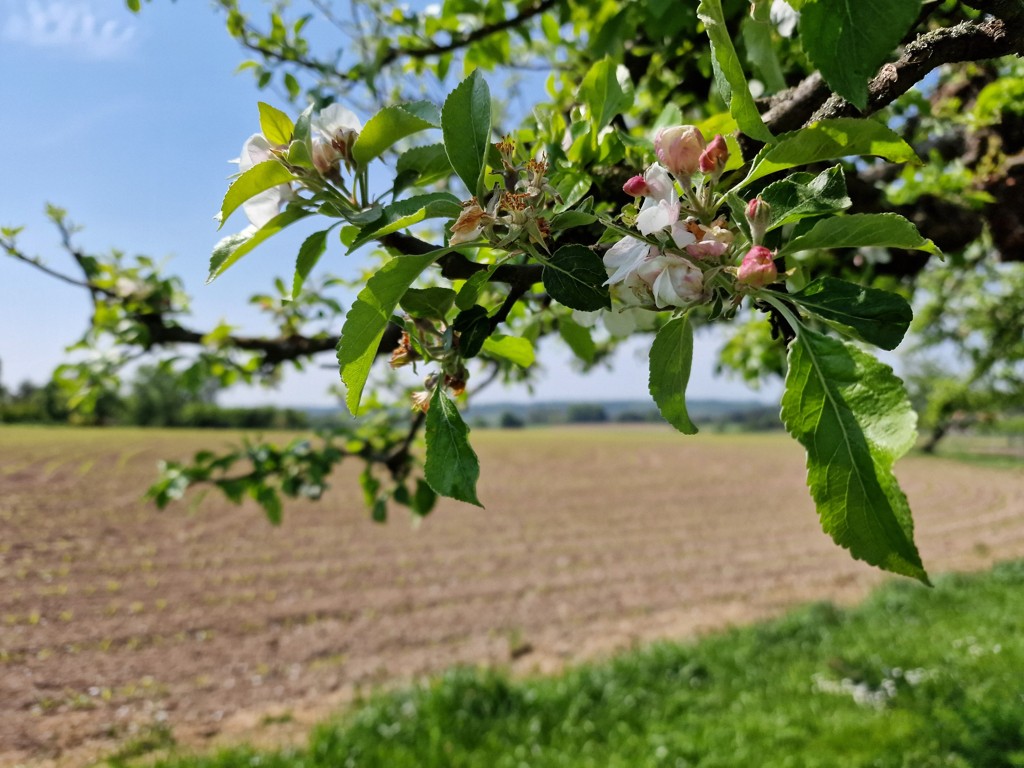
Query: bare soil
(117,618)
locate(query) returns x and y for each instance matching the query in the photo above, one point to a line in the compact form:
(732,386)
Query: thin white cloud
(71,25)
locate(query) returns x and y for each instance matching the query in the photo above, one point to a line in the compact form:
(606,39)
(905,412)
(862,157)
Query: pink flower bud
(759,216)
(758,268)
(636,187)
(715,156)
(758,210)
(679,149)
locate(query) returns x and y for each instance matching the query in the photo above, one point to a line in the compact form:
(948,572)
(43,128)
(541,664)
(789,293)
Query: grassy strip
(913,677)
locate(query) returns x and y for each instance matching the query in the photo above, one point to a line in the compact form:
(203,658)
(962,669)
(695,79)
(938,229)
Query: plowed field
(205,620)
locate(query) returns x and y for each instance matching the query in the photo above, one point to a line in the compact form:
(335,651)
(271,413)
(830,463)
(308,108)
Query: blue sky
(128,122)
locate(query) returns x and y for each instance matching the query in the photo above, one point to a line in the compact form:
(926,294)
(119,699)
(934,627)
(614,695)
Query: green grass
(913,677)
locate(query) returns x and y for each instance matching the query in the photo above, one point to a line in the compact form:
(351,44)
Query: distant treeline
(149,404)
(739,418)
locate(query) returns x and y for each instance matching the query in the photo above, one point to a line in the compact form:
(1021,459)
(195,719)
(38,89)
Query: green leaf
(757,39)
(233,247)
(421,165)
(607,91)
(433,302)
(385,128)
(405,213)
(466,128)
(370,486)
(291,83)
(732,83)
(268,498)
(423,499)
(473,327)
(304,127)
(829,140)
(472,288)
(134,5)
(852,415)
(861,230)
(575,276)
(848,40)
(298,154)
(877,317)
(275,125)
(515,349)
(259,178)
(571,219)
(803,195)
(572,185)
(426,111)
(671,357)
(310,251)
(369,316)
(578,338)
(451,467)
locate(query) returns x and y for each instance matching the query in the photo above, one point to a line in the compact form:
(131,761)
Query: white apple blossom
(713,242)
(633,291)
(622,324)
(335,130)
(674,281)
(659,184)
(264,206)
(657,215)
(682,234)
(784,17)
(624,257)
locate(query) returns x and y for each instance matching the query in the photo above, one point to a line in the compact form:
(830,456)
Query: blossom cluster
(334,130)
(685,246)
(517,210)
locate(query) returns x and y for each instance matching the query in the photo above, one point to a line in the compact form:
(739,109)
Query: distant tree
(586,413)
(159,398)
(635,417)
(967,360)
(34,403)
(510,420)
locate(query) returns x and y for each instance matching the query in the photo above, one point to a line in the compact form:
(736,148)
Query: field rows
(114,616)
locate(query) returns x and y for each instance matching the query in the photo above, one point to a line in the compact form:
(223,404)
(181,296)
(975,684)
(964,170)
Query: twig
(967,41)
(461,41)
